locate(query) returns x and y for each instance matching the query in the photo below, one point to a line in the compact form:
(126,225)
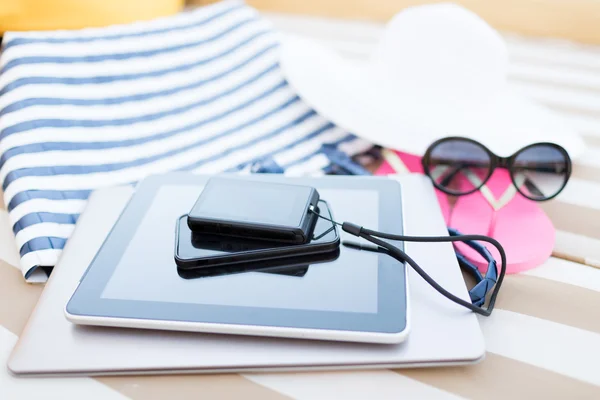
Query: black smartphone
(253,209)
(291,266)
(200,250)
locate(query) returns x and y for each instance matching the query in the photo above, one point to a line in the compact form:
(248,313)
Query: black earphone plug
(352,229)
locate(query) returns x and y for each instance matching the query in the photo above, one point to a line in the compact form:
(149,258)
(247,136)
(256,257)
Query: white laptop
(442,333)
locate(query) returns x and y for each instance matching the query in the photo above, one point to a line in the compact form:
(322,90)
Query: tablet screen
(147,270)
(134,274)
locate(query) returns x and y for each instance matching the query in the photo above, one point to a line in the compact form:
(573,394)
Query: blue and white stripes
(201,91)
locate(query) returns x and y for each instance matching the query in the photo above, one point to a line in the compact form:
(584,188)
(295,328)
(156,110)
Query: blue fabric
(201,92)
(484,284)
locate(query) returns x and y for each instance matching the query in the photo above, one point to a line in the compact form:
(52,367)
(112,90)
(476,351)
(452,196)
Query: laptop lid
(442,333)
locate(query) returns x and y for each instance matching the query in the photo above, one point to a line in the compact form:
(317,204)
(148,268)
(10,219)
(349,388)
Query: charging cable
(478,293)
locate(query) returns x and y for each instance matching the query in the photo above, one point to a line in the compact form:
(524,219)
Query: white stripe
(581,193)
(179,160)
(174,122)
(179,37)
(45,229)
(174,142)
(584,124)
(310,146)
(272,145)
(569,98)
(568,272)
(317,173)
(590,158)
(148,106)
(147,128)
(8,250)
(553,75)
(47,257)
(558,52)
(135,65)
(582,248)
(311,165)
(45,205)
(556,347)
(355,146)
(349,385)
(44,388)
(156,147)
(140,85)
(182,159)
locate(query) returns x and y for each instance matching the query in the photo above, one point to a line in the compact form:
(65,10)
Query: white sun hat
(438,71)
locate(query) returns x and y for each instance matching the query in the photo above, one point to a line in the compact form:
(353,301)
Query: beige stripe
(573,218)
(2,205)
(182,387)
(17,298)
(550,300)
(503,378)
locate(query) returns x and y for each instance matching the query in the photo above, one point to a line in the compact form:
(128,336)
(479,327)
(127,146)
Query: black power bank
(200,250)
(254,209)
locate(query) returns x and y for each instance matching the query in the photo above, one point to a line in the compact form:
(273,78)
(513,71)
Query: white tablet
(357,296)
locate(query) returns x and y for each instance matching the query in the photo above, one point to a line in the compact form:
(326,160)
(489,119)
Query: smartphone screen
(296,266)
(216,249)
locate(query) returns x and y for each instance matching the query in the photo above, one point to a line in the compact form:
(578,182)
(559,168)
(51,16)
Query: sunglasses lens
(458,166)
(541,171)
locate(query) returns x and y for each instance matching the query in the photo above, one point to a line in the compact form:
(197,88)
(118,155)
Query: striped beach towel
(201,91)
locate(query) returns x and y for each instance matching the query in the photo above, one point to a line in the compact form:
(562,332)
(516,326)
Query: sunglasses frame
(495,162)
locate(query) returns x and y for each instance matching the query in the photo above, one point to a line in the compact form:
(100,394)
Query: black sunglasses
(459,166)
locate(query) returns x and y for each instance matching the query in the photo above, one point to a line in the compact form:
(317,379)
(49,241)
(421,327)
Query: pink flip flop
(496,210)
(396,162)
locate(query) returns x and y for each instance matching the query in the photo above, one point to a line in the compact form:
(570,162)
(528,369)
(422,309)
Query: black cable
(393,251)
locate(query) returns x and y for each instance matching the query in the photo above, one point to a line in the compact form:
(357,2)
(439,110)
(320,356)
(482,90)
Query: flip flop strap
(439,171)
(395,161)
(399,167)
(506,197)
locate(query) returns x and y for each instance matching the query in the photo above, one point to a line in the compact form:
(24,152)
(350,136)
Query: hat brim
(352,97)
